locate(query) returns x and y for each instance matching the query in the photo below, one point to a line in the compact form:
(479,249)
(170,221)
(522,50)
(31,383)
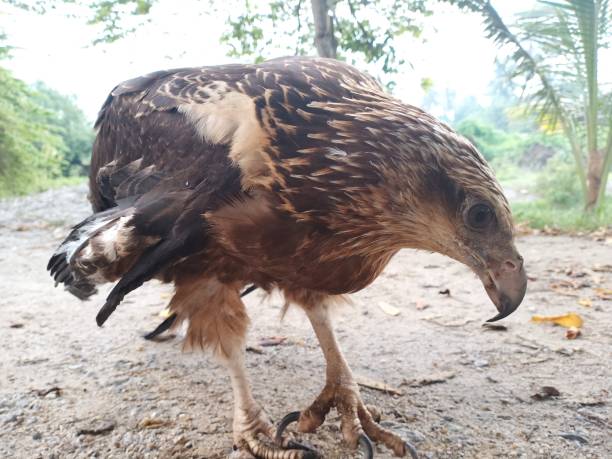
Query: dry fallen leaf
(388,309)
(494,327)
(57,391)
(572,333)
(272,341)
(586,302)
(574,437)
(254,349)
(435,378)
(377,385)
(545,393)
(566,287)
(602,268)
(152,423)
(567,320)
(100,427)
(604,293)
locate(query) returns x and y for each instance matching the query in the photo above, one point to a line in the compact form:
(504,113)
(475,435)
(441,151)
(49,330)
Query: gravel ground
(69,389)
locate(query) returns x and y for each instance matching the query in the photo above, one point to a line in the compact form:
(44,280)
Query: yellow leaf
(165,313)
(567,320)
(586,302)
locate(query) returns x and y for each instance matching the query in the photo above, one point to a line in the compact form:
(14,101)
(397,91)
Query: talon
(411,450)
(292,417)
(288,419)
(366,446)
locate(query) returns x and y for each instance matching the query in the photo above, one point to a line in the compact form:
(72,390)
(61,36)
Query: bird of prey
(296,174)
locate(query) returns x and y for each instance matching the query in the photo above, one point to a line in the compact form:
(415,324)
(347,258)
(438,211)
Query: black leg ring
(365,444)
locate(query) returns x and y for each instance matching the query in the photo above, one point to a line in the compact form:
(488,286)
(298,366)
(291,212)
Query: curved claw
(292,444)
(411,450)
(366,446)
(288,419)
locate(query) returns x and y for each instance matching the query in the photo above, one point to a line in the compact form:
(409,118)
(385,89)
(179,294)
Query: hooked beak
(506,284)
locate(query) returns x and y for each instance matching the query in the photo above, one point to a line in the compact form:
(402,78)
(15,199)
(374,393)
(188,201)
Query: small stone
(180,440)
(403,430)
(36,436)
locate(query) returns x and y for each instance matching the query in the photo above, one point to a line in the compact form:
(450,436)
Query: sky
(57,49)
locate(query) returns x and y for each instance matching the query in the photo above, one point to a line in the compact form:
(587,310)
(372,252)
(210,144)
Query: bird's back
(142,117)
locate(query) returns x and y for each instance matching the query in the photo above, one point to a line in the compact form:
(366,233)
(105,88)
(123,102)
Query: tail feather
(97,250)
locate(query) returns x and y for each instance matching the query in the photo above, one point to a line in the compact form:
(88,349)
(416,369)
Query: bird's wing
(153,178)
(176,145)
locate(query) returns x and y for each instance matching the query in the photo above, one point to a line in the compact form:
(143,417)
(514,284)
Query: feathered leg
(218,321)
(341,391)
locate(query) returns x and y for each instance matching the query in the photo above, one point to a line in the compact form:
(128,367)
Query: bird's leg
(342,392)
(218,321)
(250,420)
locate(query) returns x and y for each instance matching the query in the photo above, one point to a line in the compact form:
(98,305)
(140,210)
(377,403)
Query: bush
(43,136)
(493,143)
(30,152)
(558,183)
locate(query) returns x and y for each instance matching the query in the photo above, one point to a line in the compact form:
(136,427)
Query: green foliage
(115,15)
(246,36)
(493,143)
(366,30)
(558,184)
(68,121)
(43,136)
(29,149)
(262,29)
(541,214)
(555,52)
(4,48)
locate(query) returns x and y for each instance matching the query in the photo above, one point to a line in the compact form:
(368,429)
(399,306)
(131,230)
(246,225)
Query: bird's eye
(480,216)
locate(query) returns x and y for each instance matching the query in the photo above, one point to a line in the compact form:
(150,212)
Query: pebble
(404,431)
(12,417)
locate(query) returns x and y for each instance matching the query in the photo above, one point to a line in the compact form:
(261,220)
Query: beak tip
(506,293)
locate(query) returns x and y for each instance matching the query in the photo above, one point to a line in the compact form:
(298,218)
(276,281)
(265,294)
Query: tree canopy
(555,53)
(43,136)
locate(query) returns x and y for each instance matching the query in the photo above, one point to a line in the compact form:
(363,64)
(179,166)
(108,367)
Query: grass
(541,214)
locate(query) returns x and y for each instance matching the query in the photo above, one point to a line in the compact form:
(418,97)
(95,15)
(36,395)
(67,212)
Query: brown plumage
(297,174)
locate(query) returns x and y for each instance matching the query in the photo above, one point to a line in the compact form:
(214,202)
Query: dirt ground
(70,389)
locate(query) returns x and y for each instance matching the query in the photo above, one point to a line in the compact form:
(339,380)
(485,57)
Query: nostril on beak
(511,266)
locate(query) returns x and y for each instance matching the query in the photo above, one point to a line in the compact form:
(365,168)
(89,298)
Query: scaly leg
(250,421)
(341,391)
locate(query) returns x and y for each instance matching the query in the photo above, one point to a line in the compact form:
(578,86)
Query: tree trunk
(325,41)
(594,178)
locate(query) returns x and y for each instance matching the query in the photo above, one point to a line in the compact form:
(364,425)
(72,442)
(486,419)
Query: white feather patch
(229,118)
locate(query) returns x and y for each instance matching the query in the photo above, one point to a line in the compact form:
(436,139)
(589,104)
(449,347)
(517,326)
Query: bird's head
(449,201)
